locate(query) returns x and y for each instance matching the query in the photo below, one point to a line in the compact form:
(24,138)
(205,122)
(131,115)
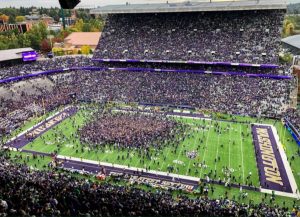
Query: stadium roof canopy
(293,41)
(191,6)
(13,54)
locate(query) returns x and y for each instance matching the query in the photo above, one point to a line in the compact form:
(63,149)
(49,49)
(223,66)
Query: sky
(85,3)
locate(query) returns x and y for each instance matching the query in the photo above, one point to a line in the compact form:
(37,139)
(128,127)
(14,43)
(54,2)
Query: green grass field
(217,150)
(235,151)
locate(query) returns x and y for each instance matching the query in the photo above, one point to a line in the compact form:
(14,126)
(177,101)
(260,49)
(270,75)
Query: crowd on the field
(240,37)
(243,36)
(26,192)
(133,130)
(44,65)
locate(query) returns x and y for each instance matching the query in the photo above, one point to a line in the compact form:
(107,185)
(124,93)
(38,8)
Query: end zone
(275,173)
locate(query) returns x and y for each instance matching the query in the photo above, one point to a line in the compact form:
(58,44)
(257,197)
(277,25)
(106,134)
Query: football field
(222,150)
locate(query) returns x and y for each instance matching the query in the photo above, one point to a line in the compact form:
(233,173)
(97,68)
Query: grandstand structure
(222,38)
(210,34)
(239,38)
(13,57)
(191,6)
(188,97)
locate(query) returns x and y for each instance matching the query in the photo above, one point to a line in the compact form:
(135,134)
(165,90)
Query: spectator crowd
(44,65)
(26,192)
(230,94)
(242,36)
(293,116)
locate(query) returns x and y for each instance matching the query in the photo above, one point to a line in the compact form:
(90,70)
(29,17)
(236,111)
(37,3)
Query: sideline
(164,175)
(287,168)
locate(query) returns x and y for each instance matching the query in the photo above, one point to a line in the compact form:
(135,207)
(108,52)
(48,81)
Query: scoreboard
(29,56)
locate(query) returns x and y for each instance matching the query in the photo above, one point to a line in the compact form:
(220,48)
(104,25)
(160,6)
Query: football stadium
(184,109)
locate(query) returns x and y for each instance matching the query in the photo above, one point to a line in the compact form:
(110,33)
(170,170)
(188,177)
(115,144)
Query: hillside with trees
(37,36)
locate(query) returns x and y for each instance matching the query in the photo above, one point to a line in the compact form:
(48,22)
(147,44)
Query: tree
(85,49)
(97,24)
(288,28)
(23,40)
(12,42)
(4,17)
(64,33)
(286,58)
(53,12)
(35,37)
(36,34)
(20,19)
(57,40)
(78,25)
(45,45)
(23,11)
(3,45)
(42,28)
(86,27)
(83,14)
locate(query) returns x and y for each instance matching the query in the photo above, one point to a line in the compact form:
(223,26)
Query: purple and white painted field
(22,140)
(272,171)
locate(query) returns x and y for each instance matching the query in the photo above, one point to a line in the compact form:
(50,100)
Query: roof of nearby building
(32,17)
(192,6)
(13,54)
(83,38)
(292,41)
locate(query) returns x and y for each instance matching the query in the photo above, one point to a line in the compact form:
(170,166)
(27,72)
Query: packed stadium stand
(59,194)
(233,94)
(214,62)
(244,36)
(44,65)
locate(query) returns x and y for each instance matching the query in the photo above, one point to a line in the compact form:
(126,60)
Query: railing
(92,68)
(189,62)
(293,131)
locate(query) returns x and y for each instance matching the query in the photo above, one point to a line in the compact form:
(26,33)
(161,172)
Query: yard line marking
(217,148)
(206,146)
(229,144)
(162,165)
(182,144)
(226,153)
(242,154)
(152,152)
(137,162)
(195,142)
(166,158)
